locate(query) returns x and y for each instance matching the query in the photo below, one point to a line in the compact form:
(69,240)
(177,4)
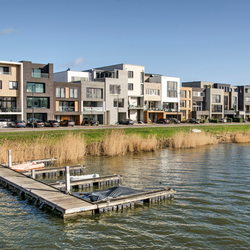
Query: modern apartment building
(186,102)
(131,97)
(67,101)
(11,91)
(244,101)
(38,91)
(162,97)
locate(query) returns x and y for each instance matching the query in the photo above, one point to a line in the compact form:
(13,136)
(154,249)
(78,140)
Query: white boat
(196,130)
(83,177)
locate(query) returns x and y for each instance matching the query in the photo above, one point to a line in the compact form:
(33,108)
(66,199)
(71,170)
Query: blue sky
(195,40)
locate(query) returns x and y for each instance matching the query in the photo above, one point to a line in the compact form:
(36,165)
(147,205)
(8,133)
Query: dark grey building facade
(38,91)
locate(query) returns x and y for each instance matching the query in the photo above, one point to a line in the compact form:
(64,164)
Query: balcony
(10,110)
(93,109)
(40,75)
(131,106)
(66,109)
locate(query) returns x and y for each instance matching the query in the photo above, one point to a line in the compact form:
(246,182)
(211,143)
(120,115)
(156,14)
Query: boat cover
(114,192)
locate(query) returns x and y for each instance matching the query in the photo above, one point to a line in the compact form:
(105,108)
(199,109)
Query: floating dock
(65,205)
(86,183)
(48,172)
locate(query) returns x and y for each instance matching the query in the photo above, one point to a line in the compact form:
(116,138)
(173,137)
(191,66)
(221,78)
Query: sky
(196,40)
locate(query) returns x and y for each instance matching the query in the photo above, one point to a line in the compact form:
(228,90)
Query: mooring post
(67,179)
(10,161)
(33,173)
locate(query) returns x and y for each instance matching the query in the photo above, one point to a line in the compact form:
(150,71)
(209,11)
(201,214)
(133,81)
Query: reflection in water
(210,209)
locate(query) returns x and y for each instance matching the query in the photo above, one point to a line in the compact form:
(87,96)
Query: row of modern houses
(112,93)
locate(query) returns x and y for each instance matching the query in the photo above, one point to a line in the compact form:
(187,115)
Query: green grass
(94,135)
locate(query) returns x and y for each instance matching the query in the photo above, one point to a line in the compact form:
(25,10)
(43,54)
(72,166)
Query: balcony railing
(90,109)
(66,109)
(131,106)
(10,110)
(40,75)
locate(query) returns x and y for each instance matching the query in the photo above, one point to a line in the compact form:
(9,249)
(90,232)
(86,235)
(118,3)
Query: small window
(60,92)
(0,84)
(142,77)
(12,85)
(130,74)
(130,86)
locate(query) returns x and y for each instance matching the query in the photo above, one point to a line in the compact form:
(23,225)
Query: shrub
(214,120)
(229,119)
(238,119)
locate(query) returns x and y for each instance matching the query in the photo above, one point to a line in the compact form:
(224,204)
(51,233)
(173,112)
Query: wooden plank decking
(67,204)
(44,194)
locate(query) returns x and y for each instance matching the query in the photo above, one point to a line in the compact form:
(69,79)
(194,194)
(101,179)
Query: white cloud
(79,61)
(8,31)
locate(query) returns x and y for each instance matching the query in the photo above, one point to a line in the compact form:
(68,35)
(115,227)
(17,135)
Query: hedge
(214,120)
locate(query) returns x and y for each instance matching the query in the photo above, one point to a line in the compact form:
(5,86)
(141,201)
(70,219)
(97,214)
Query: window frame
(11,82)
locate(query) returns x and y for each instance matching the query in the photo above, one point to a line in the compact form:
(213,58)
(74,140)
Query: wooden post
(10,161)
(67,179)
(33,173)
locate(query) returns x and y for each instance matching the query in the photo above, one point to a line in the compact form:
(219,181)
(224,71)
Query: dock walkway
(43,194)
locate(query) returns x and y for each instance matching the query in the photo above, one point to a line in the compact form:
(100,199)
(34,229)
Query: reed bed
(191,140)
(73,147)
(67,148)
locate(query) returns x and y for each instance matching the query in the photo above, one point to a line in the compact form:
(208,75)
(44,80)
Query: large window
(247,99)
(182,103)
(216,98)
(171,89)
(35,87)
(152,92)
(60,92)
(12,85)
(120,103)
(130,86)
(216,108)
(39,102)
(5,70)
(195,93)
(130,74)
(66,106)
(142,77)
(114,89)
(73,93)
(183,94)
(39,116)
(39,73)
(94,93)
(7,103)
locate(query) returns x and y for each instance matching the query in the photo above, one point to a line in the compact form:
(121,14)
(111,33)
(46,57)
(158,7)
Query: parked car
(51,123)
(126,121)
(163,121)
(90,121)
(37,123)
(222,120)
(18,124)
(175,121)
(67,123)
(192,120)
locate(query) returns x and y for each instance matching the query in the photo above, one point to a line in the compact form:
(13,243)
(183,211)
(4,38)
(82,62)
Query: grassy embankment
(75,144)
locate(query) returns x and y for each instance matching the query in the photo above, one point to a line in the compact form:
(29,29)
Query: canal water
(211,209)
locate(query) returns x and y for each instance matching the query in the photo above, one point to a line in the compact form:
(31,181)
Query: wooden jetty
(47,172)
(65,205)
(100,181)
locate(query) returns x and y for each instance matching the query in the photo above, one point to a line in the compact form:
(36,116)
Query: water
(210,210)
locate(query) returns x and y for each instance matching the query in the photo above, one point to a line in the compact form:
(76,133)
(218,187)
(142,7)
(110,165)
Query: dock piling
(67,179)
(33,173)
(9,157)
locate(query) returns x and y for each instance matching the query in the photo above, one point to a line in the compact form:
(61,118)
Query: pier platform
(65,205)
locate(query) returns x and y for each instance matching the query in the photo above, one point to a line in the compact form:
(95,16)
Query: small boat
(196,130)
(28,166)
(83,177)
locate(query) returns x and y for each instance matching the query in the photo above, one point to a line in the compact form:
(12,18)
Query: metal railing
(11,110)
(40,75)
(66,109)
(90,109)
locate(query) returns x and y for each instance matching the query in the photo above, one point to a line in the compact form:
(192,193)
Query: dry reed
(191,140)
(115,142)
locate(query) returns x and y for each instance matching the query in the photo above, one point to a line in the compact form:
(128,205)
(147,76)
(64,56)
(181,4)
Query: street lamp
(33,103)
